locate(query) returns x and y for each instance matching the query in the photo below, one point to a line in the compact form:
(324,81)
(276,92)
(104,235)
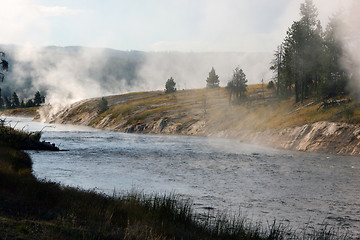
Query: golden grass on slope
(260,110)
(23,112)
(163,109)
(287,114)
(139,107)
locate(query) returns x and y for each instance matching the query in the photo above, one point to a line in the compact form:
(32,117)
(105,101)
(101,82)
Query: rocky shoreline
(321,137)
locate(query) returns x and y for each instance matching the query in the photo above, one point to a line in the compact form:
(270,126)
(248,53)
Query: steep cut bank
(322,137)
(260,118)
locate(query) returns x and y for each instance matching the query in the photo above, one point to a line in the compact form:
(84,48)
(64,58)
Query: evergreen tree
(37,99)
(310,49)
(170,86)
(30,103)
(1,101)
(22,103)
(294,59)
(103,105)
(15,103)
(4,66)
(237,85)
(7,103)
(309,14)
(335,76)
(213,80)
(278,68)
(308,62)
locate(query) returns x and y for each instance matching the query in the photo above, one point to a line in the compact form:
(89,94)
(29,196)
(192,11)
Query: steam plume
(349,34)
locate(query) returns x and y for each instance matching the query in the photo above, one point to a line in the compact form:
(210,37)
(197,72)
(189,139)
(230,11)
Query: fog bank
(71,74)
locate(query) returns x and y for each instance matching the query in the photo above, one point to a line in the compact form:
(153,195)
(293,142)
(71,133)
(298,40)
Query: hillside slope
(260,118)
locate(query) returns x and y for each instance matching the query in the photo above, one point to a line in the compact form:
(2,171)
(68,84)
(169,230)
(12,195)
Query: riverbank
(261,118)
(23,140)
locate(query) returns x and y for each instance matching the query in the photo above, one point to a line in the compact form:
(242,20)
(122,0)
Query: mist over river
(262,183)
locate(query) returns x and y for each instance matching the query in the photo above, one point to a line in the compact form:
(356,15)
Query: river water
(223,175)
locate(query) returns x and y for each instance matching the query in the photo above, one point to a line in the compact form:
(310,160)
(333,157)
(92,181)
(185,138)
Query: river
(264,184)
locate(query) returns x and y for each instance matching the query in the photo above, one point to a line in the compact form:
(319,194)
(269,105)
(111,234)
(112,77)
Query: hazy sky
(154,25)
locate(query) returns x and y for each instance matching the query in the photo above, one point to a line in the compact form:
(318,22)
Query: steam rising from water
(67,78)
(72,74)
(349,34)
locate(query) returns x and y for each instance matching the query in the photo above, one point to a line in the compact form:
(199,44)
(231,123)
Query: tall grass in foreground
(174,218)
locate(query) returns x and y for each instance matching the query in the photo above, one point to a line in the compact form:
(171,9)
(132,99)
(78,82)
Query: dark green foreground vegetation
(23,140)
(37,209)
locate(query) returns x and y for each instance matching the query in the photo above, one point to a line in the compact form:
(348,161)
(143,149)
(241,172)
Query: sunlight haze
(160,25)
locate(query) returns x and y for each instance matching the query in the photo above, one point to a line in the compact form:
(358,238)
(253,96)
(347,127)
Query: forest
(309,61)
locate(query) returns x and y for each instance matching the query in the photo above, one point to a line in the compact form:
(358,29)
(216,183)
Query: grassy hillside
(260,111)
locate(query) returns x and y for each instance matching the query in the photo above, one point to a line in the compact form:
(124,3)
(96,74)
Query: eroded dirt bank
(322,137)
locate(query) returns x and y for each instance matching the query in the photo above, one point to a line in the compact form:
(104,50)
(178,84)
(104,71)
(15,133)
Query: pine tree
(170,86)
(4,66)
(7,103)
(301,63)
(237,86)
(103,105)
(1,101)
(22,103)
(15,103)
(335,76)
(213,80)
(29,103)
(37,99)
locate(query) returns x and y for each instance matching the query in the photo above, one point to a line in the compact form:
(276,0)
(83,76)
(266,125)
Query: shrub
(270,85)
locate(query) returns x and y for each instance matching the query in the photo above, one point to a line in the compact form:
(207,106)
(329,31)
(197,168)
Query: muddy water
(263,183)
